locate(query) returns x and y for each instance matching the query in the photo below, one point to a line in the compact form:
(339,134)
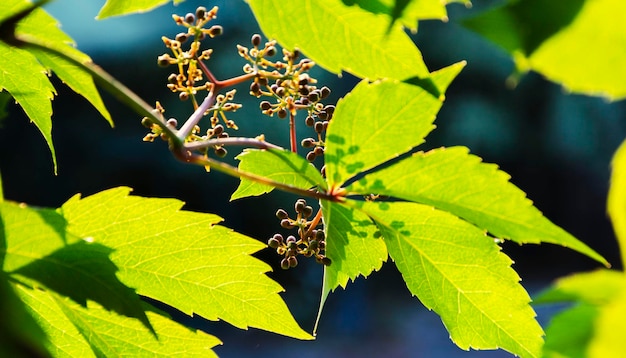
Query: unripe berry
(319,151)
(256,40)
(216,30)
(308,143)
(255,89)
(220,152)
(200,12)
(322,115)
(183,96)
(284,264)
(326,261)
(286,224)
(218,129)
(262,81)
(310,121)
(299,206)
(319,235)
(324,92)
(282,113)
(271,51)
(313,245)
(182,37)
(290,240)
(319,127)
(190,18)
(172,122)
(314,96)
(265,105)
(273,243)
(307,211)
(310,156)
(146,122)
(163,60)
(293,262)
(281,214)
(172,78)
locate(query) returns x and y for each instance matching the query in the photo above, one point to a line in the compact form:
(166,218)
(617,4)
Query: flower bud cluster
(309,242)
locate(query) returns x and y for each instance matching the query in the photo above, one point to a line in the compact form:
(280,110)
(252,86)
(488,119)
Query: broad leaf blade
(281,166)
(33,92)
(82,272)
(617,198)
(459,272)
(608,339)
(21,334)
(76,331)
(378,121)
(353,244)
(595,288)
(183,259)
(30,234)
(125,7)
(340,37)
(406,12)
(452,180)
(569,42)
(570,332)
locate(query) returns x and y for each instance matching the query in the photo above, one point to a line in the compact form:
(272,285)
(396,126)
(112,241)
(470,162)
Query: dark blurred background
(557,147)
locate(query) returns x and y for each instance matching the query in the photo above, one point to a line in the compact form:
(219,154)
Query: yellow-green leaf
(459,272)
(617,198)
(339,37)
(183,259)
(125,7)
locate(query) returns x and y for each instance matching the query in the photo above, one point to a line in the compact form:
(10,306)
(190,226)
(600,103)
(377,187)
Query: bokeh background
(556,146)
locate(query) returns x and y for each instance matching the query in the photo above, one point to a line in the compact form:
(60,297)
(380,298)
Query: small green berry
(183,96)
(307,211)
(293,262)
(182,37)
(286,223)
(190,18)
(310,156)
(164,60)
(273,243)
(146,122)
(308,143)
(324,92)
(216,30)
(284,264)
(310,121)
(270,51)
(299,206)
(265,105)
(319,127)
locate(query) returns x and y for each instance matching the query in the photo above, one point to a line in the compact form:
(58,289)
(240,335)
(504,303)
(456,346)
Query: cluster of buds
(288,85)
(310,241)
(189,79)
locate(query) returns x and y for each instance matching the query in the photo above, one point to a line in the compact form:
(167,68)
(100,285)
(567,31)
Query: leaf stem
(231,141)
(292,132)
(196,116)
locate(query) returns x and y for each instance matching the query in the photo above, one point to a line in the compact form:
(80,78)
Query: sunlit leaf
(92,331)
(183,259)
(608,339)
(569,332)
(459,272)
(617,198)
(378,121)
(281,166)
(124,7)
(569,42)
(339,37)
(596,288)
(452,180)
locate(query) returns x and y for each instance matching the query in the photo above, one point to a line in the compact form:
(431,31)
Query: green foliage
(340,37)
(594,325)
(34,93)
(279,165)
(73,278)
(572,43)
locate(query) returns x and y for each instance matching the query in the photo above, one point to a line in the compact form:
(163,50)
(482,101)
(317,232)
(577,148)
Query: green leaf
(452,180)
(278,165)
(378,121)
(459,272)
(83,271)
(595,288)
(569,42)
(340,37)
(570,332)
(20,335)
(354,246)
(33,93)
(38,247)
(617,198)
(30,234)
(351,244)
(125,7)
(76,331)
(609,328)
(183,259)
(406,12)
